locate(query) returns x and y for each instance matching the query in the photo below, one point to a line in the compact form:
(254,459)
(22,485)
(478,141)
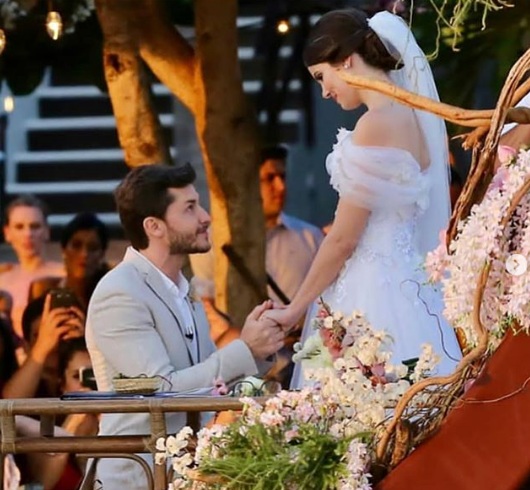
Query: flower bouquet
(322,437)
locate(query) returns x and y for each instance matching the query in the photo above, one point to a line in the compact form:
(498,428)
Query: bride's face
(334,87)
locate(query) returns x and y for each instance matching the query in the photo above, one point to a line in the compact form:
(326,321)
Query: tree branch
(168,54)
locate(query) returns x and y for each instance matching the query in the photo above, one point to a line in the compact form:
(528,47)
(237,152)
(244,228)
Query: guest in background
(84,241)
(44,328)
(291,245)
(26,230)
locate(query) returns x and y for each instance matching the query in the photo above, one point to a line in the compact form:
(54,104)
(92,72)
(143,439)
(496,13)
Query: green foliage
(260,458)
(453,16)
(489,41)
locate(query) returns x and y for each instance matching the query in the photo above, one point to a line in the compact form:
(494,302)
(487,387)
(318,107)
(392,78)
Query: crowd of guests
(43,307)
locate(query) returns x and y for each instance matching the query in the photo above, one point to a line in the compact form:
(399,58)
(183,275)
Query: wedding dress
(384,278)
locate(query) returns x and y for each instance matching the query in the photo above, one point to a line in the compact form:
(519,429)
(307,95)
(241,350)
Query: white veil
(416,76)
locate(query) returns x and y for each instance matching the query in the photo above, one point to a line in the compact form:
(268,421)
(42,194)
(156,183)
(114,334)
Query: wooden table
(46,409)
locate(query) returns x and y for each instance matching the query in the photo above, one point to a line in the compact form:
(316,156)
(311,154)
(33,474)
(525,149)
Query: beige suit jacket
(134,328)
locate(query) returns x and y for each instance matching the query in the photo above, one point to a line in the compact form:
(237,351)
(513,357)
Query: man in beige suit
(140,320)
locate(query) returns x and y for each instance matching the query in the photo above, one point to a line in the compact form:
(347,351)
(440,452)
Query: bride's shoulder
(378,127)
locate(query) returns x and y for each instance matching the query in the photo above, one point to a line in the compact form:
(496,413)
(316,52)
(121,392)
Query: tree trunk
(139,130)
(209,83)
(228,135)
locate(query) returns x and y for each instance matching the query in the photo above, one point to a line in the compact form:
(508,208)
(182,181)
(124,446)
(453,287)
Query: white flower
(174,445)
(160,444)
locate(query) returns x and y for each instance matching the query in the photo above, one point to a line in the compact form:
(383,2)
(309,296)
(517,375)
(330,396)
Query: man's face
(186,223)
(26,231)
(272,187)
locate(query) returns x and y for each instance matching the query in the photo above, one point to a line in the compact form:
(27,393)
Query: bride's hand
(284,316)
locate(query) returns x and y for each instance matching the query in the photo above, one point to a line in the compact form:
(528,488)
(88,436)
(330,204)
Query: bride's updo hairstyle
(339,33)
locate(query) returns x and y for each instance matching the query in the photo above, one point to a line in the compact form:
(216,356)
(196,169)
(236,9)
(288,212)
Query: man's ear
(153,227)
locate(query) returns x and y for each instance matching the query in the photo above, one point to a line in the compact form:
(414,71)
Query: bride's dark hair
(339,33)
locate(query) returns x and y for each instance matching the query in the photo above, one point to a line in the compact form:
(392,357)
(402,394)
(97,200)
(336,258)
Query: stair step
(71,171)
(77,134)
(63,190)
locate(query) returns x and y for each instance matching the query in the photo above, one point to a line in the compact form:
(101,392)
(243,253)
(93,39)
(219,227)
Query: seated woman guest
(84,242)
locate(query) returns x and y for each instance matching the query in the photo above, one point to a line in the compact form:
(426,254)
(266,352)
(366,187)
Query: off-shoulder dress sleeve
(376,177)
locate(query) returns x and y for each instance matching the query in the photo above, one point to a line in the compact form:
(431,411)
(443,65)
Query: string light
(2,41)
(283,26)
(54,25)
(9,103)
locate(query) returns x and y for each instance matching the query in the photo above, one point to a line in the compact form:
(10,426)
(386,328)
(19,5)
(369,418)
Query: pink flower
(219,387)
(437,260)
(499,178)
(506,154)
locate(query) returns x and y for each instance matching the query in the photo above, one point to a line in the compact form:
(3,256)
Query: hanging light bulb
(283,26)
(54,25)
(9,103)
(2,40)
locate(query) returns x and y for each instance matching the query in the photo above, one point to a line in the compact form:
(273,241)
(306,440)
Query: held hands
(286,317)
(263,336)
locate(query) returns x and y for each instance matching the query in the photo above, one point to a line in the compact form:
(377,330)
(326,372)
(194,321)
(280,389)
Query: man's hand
(263,337)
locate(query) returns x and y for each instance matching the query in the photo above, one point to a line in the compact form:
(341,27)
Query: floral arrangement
(488,238)
(322,437)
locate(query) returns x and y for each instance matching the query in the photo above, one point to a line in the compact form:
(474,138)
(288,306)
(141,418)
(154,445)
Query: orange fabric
(480,445)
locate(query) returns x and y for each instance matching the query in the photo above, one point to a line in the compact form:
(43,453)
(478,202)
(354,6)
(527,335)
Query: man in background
(291,245)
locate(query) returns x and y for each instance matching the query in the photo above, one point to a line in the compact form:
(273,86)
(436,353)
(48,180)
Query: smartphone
(62,298)
(87,378)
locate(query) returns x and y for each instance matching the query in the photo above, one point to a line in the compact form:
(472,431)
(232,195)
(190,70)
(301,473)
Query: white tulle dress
(384,278)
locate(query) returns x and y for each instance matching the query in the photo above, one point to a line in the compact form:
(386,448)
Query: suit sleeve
(121,330)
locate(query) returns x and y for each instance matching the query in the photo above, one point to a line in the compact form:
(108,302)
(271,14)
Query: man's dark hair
(276,152)
(26,200)
(85,221)
(144,193)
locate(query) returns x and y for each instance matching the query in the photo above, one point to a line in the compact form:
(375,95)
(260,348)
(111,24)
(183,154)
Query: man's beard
(187,243)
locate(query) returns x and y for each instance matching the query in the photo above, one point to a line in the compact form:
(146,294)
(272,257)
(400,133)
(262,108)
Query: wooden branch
(482,167)
(168,54)
(450,113)
(454,114)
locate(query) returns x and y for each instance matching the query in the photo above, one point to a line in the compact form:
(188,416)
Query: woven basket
(139,385)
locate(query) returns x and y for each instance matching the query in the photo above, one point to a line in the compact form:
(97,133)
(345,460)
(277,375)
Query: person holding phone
(44,328)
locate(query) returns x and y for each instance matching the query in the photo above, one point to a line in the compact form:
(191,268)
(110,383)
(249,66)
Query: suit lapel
(156,284)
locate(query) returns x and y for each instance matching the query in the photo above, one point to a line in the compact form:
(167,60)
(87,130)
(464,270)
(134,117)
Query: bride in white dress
(391,175)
